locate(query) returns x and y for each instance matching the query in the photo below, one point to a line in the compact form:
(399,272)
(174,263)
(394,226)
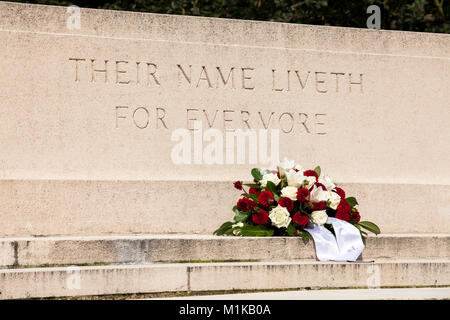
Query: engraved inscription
(140,117)
(148,74)
(218,77)
(233,119)
(120,72)
(124,72)
(319,81)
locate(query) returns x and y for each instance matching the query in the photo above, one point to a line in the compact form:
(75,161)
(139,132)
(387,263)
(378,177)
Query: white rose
(299,167)
(280,217)
(327,182)
(236,228)
(310,182)
(289,192)
(333,199)
(285,166)
(319,217)
(295,179)
(237,225)
(270,177)
(318,194)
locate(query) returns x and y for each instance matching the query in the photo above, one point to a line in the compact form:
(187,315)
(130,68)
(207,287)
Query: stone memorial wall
(125,122)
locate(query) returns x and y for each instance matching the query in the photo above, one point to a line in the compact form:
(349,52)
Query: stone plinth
(88,115)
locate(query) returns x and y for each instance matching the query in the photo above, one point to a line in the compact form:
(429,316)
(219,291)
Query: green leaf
(372,227)
(241,216)
(305,235)
(229,232)
(236,210)
(252,196)
(303,208)
(256,231)
(363,233)
(360,230)
(283,182)
(256,173)
(271,187)
(351,201)
(224,228)
(318,170)
(291,230)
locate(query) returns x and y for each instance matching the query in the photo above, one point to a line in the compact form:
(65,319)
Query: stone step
(199,278)
(100,250)
(340,294)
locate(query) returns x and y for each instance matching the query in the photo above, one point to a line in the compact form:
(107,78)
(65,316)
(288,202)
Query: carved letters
(123,72)
(201,77)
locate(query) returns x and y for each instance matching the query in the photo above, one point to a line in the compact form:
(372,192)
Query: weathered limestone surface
(100,250)
(340,294)
(67,207)
(197,277)
(86,151)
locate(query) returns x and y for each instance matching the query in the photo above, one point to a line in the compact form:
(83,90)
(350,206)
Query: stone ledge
(135,25)
(340,294)
(104,280)
(97,250)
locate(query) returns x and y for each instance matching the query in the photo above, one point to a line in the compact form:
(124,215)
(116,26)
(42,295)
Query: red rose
(246,204)
(242,204)
(303,194)
(300,218)
(344,207)
(340,192)
(261,218)
(251,204)
(343,215)
(311,173)
(265,198)
(253,191)
(318,184)
(238,185)
(287,203)
(322,205)
(356,216)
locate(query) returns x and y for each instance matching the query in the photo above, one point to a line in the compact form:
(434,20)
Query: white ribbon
(347,246)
